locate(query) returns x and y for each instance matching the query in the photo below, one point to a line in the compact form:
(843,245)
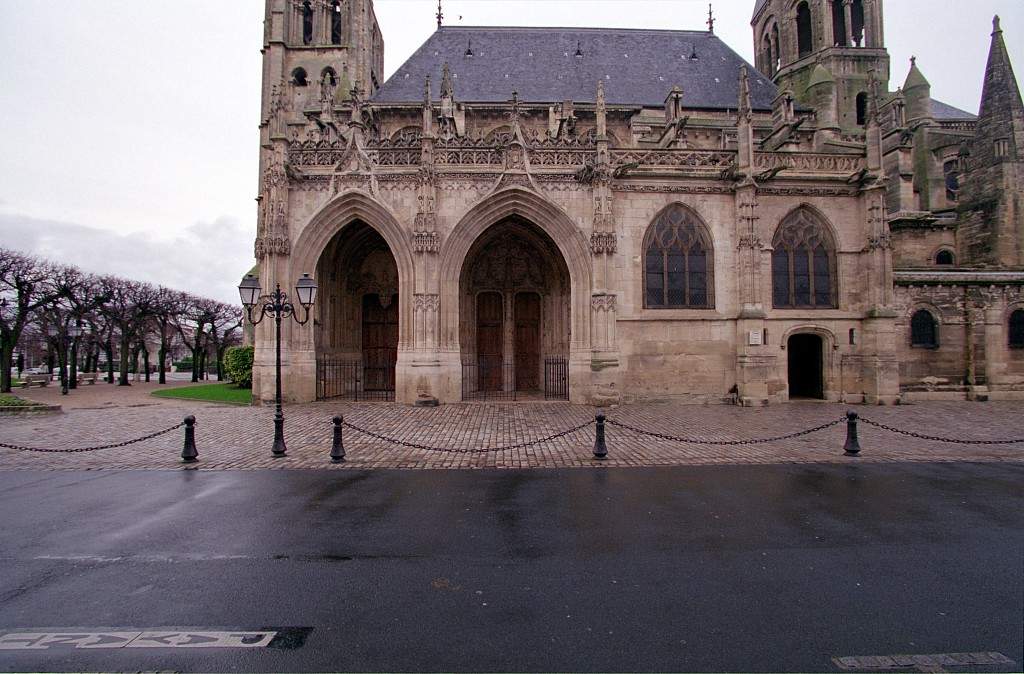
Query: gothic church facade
(613,215)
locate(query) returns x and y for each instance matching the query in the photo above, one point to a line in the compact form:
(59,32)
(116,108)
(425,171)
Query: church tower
(317,56)
(837,43)
(312,47)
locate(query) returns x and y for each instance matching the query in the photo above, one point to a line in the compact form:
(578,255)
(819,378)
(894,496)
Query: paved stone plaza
(238,437)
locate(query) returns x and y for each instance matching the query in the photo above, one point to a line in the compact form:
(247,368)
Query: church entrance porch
(357,330)
(806,367)
(514,315)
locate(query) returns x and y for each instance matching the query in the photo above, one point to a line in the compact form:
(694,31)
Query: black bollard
(337,447)
(600,448)
(852,445)
(188,452)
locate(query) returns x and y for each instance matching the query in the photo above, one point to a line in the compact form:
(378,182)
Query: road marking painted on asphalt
(925,663)
(147,639)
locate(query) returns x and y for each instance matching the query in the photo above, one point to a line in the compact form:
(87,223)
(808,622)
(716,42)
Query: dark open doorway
(806,367)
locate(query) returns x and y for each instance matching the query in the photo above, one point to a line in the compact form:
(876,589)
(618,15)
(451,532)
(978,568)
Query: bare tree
(168,305)
(225,331)
(23,290)
(191,322)
(128,305)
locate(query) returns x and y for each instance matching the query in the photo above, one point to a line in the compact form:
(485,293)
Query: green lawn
(215,393)
(8,400)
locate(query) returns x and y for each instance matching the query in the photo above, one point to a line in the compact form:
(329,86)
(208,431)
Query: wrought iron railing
(353,380)
(556,378)
(488,380)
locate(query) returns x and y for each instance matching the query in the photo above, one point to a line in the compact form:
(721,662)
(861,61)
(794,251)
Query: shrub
(238,365)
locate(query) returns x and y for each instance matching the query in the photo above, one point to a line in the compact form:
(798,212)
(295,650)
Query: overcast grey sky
(130,126)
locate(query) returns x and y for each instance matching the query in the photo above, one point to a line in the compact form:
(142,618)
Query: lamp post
(278,306)
(74,332)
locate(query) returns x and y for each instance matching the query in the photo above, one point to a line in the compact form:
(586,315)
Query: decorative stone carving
(272,245)
(425,241)
(377,275)
(696,159)
(672,189)
(879,242)
(426,303)
(751,241)
(603,302)
(603,243)
(808,162)
(506,263)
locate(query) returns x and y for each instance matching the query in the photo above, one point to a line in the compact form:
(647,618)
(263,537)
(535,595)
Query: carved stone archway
(549,218)
(518,203)
(298,344)
(513,307)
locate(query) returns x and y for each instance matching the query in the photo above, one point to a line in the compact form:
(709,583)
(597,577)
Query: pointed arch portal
(514,295)
(545,311)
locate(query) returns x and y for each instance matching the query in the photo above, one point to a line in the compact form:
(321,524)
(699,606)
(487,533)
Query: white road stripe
(146,639)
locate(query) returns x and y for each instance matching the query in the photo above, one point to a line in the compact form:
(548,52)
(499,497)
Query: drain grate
(925,663)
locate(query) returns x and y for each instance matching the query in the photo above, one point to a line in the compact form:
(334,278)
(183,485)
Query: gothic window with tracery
(804,31)
(336,22)
(924,330)
(838,24)
(1017,329)
(862,109)
(307,22)
(803,264)
(678,262)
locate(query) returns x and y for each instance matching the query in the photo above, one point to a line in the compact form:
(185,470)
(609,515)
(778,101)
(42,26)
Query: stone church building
(609,215)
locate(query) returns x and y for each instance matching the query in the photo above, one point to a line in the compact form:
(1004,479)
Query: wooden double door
(493,339)
(380,343)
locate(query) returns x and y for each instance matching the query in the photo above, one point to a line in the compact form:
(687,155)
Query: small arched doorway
(356,334)
(806,366)
(514,323)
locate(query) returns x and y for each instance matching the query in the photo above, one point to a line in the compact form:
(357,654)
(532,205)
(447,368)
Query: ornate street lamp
(74,332)
(278,306)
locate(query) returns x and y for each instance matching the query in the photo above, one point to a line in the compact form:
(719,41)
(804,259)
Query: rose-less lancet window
(278,306)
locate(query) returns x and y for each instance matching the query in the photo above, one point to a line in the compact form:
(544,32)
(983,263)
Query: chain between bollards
(338,446)
(600,447)
(852,445)
(189,454)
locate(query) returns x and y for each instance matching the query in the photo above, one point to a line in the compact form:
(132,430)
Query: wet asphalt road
(701,568)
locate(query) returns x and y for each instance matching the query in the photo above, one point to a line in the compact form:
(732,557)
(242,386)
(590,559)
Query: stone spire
(1002,113)
(991,226)
(428,110)
(447,88)
(918,92)
(745,108)
(744,130)
(602,112)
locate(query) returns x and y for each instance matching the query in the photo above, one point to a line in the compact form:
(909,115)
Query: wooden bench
(87,377)
(29,380)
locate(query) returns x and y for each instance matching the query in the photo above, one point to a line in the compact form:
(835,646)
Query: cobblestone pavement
(238,437)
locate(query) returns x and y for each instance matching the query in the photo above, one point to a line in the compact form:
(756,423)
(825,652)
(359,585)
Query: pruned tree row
(118,320)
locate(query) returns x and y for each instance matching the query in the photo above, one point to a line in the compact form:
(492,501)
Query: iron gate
(354,380)
(556,378)
(487,380)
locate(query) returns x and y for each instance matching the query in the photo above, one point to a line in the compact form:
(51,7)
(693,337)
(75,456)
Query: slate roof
(942,110)
(639,67)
